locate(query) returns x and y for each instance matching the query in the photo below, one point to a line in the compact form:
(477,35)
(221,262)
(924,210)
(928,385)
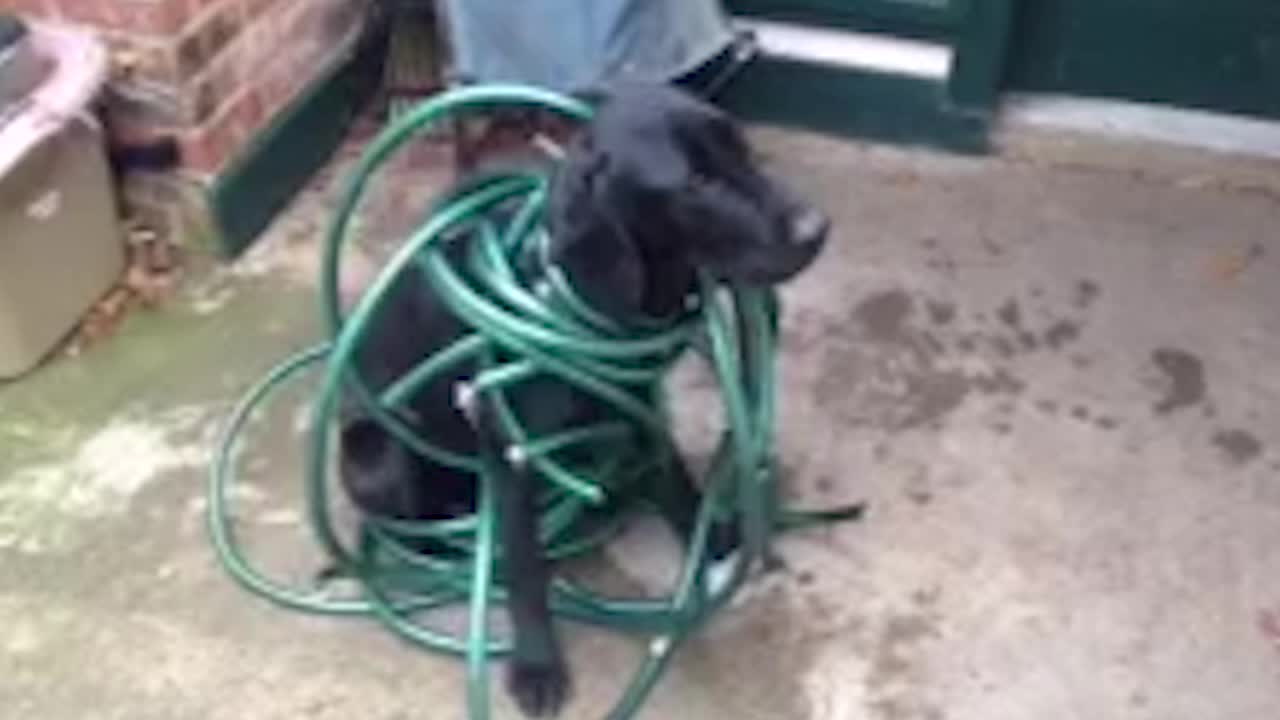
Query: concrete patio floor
(1054,377)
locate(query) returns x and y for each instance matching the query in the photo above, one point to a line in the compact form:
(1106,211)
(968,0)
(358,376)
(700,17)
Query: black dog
(658,187)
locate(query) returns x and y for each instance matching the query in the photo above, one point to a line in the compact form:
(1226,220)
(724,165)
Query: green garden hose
(523,328)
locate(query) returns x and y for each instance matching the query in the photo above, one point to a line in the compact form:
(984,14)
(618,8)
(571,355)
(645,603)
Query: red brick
(208,148)
(214,88)
(147,17)
(211,72)
(255,8)
(248,115)
(275,28)
(201,43)
(30,8)
(283,82)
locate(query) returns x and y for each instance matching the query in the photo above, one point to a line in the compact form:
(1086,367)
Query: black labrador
(656,188)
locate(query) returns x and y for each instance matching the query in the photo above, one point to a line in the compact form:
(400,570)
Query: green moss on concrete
(160,360)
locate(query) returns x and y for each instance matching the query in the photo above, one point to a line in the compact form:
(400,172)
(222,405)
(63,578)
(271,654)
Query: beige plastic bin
(60,243)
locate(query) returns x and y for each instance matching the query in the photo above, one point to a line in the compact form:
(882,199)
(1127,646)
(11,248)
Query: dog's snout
(809,226)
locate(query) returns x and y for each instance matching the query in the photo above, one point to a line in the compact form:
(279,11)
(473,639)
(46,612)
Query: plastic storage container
(61,246)
(21,68)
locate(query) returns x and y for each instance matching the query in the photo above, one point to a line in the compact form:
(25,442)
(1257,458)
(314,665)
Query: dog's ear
(588,222)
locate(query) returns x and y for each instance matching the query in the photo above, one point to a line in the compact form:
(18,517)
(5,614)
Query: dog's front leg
(679,502)
(538,678)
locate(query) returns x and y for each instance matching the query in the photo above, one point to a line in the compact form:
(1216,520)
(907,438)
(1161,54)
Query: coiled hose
(523,328)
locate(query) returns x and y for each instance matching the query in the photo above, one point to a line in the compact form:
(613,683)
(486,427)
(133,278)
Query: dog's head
(660,185)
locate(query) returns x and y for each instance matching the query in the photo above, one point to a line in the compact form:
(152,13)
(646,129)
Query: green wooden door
(954,110)
(914,18)
(1219,55)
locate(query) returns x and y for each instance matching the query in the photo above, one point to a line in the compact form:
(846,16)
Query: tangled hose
(522,328)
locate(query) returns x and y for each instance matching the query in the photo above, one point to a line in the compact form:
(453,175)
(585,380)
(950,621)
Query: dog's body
(658,187)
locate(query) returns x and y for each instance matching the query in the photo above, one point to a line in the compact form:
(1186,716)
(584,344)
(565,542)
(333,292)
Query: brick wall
(212,73)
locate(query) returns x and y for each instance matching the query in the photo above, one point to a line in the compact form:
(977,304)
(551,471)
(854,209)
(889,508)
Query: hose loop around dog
(523,329)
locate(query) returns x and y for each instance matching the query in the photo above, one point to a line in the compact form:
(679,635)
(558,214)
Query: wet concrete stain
(917,488)
(919,497)
(894,667)
(1185,379)
(935,395)
(999,381)
(884,315)
(1048,407)
(1022,337)
(1081,413)
(1106,422)
(886,373)
(1269,627)
(1087,292)
(771,634)
(1010,314)
(944,265)
(894,356)
(1239,447)
(927,597)
(1060,334)
(1003,347)
(941,313)
(933,344)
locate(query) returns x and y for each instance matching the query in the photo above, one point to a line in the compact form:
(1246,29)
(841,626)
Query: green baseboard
(854,103)
(262,180)
(919,20)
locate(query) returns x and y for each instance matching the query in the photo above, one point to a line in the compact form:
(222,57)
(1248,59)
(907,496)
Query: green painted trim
(923,20)
(981,50)
(1220,55)
(264,178)
(854,103)
(954,114)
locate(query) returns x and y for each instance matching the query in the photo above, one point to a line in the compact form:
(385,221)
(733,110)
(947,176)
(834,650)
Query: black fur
(657,187)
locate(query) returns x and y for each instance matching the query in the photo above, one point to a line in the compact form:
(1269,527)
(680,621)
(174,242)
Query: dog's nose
(809,226)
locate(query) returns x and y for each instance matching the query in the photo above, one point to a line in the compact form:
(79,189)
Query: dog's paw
(540,688)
